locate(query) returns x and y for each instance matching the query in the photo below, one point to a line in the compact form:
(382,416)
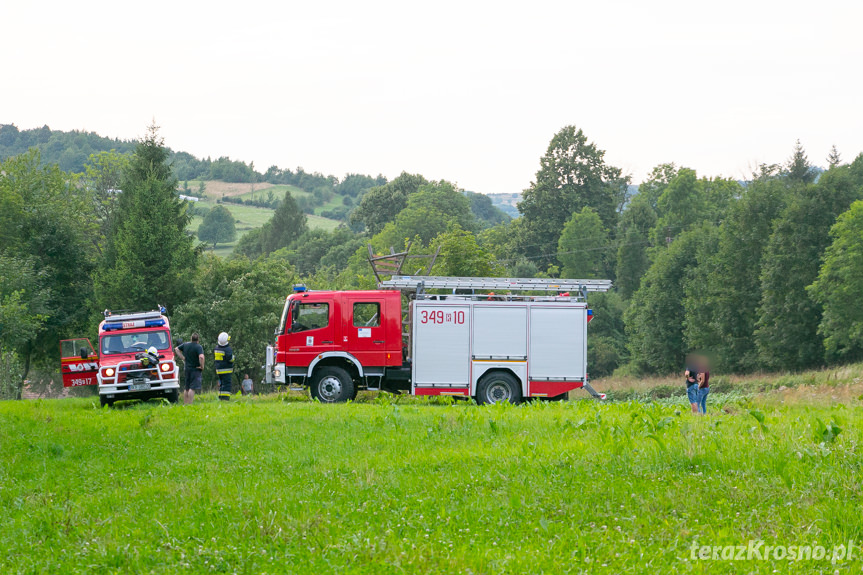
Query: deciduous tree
(46,235)
(217,227)
(838,287)
(461,255)
(651,189)
(655,316)
(239,296)
(429,212)
(583,246)
(573,174)
(381,205)
(633,233)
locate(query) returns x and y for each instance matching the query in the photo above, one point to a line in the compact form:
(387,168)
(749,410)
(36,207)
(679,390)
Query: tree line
(71,151)
(761,273)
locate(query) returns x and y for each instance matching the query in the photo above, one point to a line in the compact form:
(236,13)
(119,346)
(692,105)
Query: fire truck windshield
(134,342)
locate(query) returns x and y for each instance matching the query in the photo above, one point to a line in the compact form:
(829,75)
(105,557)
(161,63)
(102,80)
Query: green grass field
(251,217)
(277,484)
(278,192)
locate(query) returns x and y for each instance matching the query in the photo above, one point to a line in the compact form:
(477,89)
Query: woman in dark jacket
(703,385)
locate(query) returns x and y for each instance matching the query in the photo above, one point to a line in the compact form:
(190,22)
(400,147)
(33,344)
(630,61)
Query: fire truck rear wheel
(332,385)
(103,401)
(498,387)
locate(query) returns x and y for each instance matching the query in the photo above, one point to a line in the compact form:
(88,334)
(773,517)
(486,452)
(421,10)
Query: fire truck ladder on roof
(391,264)
(578,288)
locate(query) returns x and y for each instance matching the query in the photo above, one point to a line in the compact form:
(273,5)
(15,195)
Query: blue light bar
(299,288)
(112,326)
(154,323)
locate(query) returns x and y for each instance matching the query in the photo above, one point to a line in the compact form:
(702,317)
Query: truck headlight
(277,373)
(166,367)
(109,372)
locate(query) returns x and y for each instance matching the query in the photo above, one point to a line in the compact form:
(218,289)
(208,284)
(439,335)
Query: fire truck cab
(494,348)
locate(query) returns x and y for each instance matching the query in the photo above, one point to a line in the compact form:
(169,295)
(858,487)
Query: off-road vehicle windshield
(126,342)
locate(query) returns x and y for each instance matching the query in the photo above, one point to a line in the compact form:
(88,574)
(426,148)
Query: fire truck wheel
(498,387)
(174,397)
(103,401)
(332,385)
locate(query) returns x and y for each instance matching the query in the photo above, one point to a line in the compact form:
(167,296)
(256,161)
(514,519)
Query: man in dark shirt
(193,359)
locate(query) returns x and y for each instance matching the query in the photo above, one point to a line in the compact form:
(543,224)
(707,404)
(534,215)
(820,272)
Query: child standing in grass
(247,385)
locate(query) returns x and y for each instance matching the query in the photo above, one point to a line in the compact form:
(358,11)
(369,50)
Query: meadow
(277,484)
(251,217)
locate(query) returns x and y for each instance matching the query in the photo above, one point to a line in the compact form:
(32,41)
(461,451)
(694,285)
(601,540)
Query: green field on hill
(251,217)
(277,190)
(278,484)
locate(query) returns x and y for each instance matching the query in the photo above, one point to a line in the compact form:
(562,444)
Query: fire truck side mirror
(295,312)
(84,353)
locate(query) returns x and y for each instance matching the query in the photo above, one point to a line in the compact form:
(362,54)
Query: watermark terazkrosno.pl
(758,550)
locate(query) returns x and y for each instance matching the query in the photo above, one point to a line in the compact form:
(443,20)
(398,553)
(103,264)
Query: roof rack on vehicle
(126,315)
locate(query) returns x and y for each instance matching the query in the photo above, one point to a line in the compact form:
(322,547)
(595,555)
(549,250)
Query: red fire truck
(122,369)
(492,339)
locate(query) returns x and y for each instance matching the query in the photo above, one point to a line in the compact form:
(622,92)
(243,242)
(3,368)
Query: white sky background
(471,92)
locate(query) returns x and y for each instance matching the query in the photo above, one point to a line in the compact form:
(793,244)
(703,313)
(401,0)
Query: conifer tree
(799,169)
(287,224)
(834,159)
(787,330)
(149,257)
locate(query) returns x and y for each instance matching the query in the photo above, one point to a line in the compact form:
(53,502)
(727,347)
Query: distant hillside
(69,150)
(317,194)
(234,183)
(247,216)
(506,203)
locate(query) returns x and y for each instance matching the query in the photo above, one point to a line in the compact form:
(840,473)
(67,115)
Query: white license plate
(139,387)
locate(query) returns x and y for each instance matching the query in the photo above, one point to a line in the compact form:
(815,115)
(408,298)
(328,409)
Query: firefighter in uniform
(224,363)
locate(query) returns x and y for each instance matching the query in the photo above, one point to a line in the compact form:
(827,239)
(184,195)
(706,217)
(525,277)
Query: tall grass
(280,485)
(841,383)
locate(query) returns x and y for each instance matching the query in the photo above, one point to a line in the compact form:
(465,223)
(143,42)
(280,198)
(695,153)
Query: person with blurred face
(691,374)
(703,384)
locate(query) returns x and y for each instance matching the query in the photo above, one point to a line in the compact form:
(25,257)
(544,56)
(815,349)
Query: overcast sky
(471,92)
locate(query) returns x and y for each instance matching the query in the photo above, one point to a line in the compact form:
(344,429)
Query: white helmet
(153,351)
(224,338)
